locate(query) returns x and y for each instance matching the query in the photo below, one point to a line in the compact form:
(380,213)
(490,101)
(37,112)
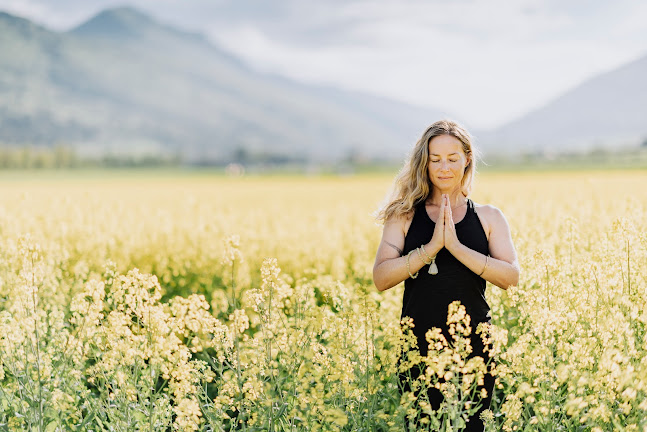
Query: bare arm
(502,266)
(390,268)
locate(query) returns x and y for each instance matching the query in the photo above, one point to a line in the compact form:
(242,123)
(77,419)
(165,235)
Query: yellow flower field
(187,302)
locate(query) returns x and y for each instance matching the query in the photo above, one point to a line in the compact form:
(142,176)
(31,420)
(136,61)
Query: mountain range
(607,111)
(123,83)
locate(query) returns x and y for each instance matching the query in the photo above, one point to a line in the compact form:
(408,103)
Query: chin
(447,188)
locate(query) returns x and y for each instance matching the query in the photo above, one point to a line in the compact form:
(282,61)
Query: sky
(487,62)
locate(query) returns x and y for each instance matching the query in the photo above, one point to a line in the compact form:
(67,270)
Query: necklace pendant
(433,268)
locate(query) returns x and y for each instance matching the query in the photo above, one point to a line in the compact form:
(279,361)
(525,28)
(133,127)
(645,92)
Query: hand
(437,241)
(451,240)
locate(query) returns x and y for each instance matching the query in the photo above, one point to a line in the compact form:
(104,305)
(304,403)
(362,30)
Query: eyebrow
(434,154)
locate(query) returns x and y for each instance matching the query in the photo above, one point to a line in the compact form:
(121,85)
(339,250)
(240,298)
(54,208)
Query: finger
(441,213)
(449,220)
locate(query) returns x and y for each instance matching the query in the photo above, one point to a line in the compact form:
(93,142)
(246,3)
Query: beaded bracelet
(412,276)
(427,255)
(420,255)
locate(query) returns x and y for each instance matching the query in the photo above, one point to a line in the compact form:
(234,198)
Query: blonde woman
(443,245)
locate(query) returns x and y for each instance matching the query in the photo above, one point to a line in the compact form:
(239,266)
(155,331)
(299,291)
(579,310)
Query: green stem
(269,355)
(628,267)
(547,288)
(151,392)
(40,385)
(237,348)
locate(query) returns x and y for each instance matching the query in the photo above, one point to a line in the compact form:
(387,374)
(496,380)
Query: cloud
(486,60)
(489,61)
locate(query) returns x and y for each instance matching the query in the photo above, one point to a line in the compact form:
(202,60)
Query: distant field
(221,340)
(41,162)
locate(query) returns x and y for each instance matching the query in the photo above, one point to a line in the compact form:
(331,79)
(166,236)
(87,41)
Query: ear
(468,157)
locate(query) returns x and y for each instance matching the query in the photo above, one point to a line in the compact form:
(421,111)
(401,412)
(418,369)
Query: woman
(443,245)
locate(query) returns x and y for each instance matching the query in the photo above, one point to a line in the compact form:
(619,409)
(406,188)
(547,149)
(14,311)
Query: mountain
(124,83)
(605,112)
(121,22)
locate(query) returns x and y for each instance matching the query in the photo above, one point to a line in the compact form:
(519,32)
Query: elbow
(383,285)
(513,280)
(509,280)
(378,281)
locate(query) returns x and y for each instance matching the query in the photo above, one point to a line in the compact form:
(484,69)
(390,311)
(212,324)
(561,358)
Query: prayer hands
(445,232)
(437,241)
(451,240)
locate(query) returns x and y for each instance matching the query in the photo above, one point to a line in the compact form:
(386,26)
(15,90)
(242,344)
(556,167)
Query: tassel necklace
(433,268)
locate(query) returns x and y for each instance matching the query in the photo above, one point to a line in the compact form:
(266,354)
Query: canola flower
(177,305)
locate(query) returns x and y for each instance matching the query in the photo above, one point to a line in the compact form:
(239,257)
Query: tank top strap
(470,206)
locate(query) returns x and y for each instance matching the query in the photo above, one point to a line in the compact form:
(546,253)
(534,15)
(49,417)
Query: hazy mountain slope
(608,110)
(123,82)
(30,68)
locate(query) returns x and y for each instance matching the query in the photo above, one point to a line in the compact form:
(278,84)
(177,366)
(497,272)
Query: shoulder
(399,223)
(491,217)
(488,211)
(402,221)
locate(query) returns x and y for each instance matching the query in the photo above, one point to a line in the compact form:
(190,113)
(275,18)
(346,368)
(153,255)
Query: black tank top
(427,297)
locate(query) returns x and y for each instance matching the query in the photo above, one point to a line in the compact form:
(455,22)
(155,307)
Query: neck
(456,197)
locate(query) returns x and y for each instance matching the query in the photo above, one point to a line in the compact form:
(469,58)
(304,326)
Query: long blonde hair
(412,184)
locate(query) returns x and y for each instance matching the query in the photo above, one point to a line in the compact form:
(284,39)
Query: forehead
(443,145)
